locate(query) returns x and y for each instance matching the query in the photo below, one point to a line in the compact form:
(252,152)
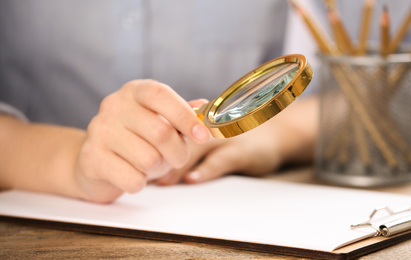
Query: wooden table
(20,240)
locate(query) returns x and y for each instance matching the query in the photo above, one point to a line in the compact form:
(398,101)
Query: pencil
(361,140)
(340,33)
(385,32)
(330,4)
(365,26)
(347,82)
(320,37)
(399,35)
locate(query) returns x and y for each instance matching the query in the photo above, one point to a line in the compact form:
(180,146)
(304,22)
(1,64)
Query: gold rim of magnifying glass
(267,110)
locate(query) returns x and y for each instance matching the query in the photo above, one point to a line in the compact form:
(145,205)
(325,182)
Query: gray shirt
(59,58)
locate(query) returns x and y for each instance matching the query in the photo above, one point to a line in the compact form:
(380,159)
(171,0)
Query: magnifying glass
(257,96)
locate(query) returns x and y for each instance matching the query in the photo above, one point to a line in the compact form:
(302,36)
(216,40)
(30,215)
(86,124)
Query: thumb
(218,162)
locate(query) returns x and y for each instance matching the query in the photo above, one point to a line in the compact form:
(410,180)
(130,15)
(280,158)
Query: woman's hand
(289,137)
(139,134)
(252,153)
(145,131)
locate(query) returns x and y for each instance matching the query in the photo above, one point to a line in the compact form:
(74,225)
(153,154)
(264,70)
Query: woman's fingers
(137,136)
(172,107)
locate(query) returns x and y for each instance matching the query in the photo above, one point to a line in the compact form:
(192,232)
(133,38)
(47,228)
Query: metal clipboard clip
(391,227)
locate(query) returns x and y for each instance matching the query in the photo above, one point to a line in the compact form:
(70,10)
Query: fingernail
(200,133)
(195,176)
(166,179)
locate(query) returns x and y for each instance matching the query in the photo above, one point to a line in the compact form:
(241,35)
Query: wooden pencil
(385,32)
(365,26)
(330,4)
(340,33)
(324,44)
(348,87)
(361,140)
(399,35)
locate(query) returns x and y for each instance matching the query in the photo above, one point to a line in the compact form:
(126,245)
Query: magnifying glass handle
(200,111)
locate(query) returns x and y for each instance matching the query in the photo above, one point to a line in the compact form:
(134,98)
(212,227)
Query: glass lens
(256,93)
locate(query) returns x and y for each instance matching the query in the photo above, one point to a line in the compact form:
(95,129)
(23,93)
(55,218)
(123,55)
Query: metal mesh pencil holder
(365,120)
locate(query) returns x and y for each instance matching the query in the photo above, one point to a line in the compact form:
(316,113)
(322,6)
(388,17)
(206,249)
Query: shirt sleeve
(12,111)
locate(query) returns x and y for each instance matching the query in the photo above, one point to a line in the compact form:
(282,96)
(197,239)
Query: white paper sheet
(232,208)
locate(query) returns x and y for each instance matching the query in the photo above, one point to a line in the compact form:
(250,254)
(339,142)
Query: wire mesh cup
(365,120)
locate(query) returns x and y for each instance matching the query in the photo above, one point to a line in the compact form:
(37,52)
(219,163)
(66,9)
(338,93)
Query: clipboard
(239,212)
